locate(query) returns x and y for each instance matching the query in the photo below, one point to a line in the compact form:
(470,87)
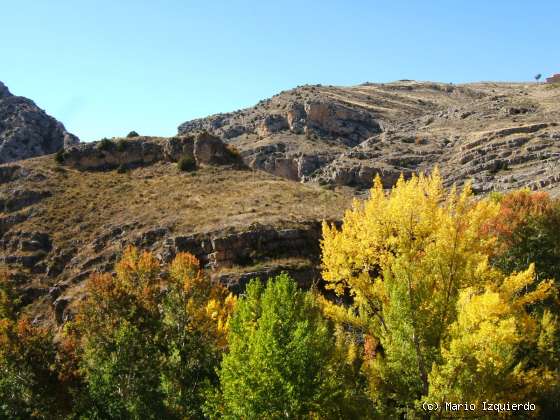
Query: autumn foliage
(528,230)
(433,296)
(437,320)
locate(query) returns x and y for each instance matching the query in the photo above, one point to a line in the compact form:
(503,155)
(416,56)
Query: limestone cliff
(26,130)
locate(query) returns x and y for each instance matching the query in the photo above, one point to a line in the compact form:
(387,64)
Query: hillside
(26,130)
(61,221)
(240,212)
(501,135)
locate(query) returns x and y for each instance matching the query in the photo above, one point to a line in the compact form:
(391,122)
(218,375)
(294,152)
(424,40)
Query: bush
(121,145)
(59,156)
(105,144)
(499,165)
(122,169)
(186,164)
(233,151)
(132,134)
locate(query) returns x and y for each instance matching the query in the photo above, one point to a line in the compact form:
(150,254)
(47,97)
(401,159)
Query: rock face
(210,150)
(501,136)
(106,154)
(26,130)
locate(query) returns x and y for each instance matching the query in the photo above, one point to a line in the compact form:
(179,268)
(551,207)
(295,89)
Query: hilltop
(26,130)
(503,136)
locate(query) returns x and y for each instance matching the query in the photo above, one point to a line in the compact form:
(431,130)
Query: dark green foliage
(121,145)
(132,134)
(105,144)
(536,240)
(186,164)
(123,372)
(121,169)
(281,362)
(59,156)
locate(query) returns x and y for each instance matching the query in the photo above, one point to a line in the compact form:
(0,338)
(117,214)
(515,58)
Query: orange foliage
(515,209)
(209,305)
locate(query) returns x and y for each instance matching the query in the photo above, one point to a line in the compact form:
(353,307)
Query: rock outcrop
(501,136)
(106,154)
(26,130)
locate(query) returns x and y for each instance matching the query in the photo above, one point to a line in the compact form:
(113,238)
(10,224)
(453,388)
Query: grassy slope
(212,198)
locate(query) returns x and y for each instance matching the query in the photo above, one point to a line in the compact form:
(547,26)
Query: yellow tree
(403,258)
(498,351)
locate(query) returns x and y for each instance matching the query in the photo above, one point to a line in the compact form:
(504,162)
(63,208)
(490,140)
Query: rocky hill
(501,135)
(26,130)
(235,204)
(64,216)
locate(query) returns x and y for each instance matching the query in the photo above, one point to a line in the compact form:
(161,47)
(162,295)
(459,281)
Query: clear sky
(110,66)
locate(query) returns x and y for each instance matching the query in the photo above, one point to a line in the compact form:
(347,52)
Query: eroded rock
(26,130)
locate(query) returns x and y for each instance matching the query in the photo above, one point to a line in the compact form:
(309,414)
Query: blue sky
(110,66)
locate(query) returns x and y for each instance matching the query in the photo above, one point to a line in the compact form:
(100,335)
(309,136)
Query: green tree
(281,361)
(119,354)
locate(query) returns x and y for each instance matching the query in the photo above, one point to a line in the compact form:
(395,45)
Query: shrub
(105,144)
(122,169)
(499,165)
(59,156)
(233,151)
(132,134)
(186,164)
(121,145)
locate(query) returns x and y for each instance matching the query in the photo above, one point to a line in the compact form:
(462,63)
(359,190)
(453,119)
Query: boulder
(272,124)
(337,120)
(209,150)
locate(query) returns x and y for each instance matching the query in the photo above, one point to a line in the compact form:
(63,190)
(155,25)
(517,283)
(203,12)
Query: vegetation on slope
(426,313)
